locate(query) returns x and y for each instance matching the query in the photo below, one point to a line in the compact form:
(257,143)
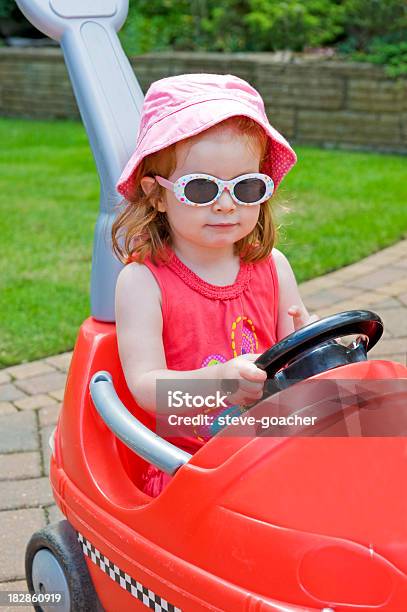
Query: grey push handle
(109,99)
(130,431)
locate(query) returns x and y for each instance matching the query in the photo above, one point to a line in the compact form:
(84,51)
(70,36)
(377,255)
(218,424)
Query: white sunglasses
(204,189)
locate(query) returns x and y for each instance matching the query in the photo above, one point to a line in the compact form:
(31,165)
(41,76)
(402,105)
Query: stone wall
(322,102)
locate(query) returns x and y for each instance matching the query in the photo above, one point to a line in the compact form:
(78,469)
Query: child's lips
(222,225)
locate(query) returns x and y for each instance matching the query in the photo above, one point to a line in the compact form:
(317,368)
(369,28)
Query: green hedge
(6,8)
(372,30)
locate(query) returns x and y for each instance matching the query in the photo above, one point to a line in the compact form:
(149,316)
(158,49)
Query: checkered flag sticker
(135,588)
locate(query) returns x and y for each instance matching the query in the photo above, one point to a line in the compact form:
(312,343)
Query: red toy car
(247,523)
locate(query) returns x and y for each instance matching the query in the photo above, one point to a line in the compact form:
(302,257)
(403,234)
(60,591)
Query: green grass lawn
(342,207)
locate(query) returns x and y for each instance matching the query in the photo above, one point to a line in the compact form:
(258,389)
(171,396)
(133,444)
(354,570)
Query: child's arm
(139,329)
(292,314)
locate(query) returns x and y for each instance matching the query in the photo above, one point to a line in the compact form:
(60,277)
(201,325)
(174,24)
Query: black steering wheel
(312,349)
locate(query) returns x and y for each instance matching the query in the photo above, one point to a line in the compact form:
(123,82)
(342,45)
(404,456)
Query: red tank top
(205,324)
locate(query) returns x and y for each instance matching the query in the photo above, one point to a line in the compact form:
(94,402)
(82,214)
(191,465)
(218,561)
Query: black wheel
(54,561)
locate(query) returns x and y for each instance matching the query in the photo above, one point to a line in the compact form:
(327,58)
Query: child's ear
(147,184)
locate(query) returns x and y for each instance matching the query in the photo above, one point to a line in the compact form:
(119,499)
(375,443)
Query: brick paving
(31,394)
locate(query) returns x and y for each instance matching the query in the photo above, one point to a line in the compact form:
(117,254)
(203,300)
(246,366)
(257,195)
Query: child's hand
(249,378)
(300,316)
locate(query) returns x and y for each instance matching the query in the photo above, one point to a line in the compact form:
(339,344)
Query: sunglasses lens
(201,190)
(250,190)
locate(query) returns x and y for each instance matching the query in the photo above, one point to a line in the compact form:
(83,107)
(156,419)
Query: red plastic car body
(253,523)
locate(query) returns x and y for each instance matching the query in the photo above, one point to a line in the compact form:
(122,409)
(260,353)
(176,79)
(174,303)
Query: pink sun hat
(179,107)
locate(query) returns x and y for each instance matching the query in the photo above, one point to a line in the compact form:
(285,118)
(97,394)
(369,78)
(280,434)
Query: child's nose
(225,202)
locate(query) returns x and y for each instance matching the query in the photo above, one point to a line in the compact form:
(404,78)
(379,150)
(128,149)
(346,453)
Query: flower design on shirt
(213,360)
(249,336)
(249,342)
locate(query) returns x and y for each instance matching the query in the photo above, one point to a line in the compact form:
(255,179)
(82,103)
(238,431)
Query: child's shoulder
(279,259)
(274,259)
(133,269)
(283,267)
(137,281)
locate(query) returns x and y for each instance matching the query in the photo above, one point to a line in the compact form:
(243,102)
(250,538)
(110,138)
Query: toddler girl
(204,292)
